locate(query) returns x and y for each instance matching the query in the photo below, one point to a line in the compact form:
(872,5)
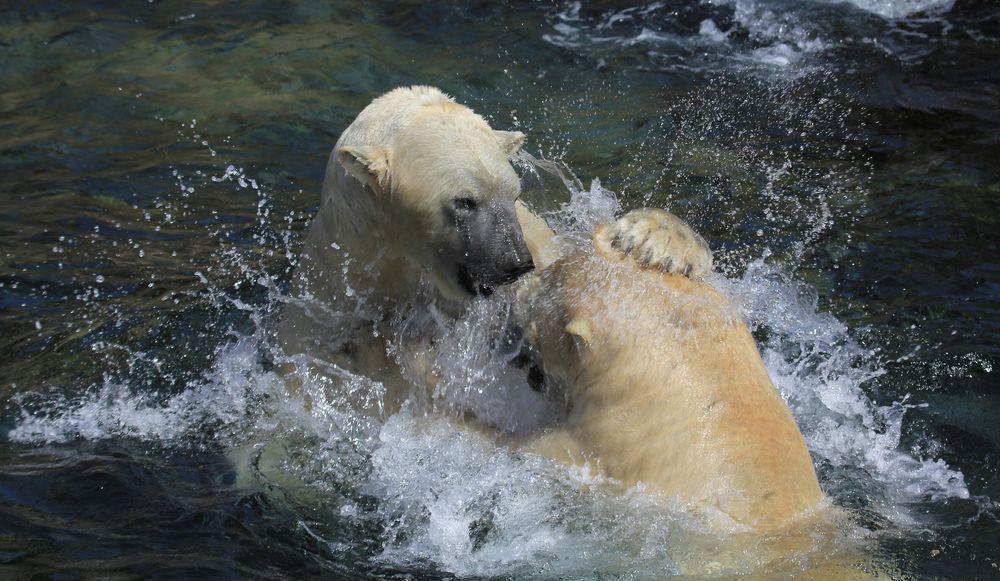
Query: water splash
(783,39)
(476,375)
(821,372)
(478,510)
(903,8)
(457,499)
(114,410)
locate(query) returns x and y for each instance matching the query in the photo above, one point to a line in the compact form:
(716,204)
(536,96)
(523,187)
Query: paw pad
(656,239)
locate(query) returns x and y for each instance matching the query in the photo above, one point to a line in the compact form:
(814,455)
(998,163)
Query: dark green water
(841,159)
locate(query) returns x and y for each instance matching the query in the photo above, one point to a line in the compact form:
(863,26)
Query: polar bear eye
(465,204)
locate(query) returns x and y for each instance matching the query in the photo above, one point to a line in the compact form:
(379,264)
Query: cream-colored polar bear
(418,188)
(663,379)
(665,387)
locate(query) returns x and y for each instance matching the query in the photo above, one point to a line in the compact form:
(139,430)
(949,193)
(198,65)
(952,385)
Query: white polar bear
(663,379)
(665,387)
(417,188)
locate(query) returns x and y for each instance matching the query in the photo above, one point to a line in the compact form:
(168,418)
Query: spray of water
(459,500)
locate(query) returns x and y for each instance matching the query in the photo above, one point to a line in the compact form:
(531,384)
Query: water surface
(161,161)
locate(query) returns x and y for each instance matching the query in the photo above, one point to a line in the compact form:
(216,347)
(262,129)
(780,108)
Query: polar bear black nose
(526,266)
(522,265)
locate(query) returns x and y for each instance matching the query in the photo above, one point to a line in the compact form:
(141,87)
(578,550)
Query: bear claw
(656,239)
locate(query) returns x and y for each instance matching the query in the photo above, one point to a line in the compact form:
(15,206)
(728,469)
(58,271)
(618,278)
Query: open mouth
(470,286)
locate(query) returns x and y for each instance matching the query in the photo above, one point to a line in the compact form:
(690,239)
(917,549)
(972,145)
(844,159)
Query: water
(162,160)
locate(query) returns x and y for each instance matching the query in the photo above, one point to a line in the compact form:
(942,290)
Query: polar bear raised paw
(656,239)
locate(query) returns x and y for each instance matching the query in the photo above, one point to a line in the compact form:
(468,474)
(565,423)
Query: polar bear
(665,387)
(418,188)
(664,381)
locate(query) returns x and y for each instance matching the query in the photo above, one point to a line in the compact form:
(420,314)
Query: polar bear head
(633,294)
(443,192)
(555,308)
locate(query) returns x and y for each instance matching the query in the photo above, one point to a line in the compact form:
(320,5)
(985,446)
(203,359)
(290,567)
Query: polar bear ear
(369,164)
(580,329)
(510,141)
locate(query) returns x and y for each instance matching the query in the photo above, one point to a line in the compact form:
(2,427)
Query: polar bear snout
(492,251)
(509,261)
(521,266)
(484,277)
(507,275)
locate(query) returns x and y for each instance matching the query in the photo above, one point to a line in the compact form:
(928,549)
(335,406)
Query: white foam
(784,35)
(780,55)
(453,497)
(113,409)
(821,373)
(903,8)
(886,8)
(788,37)
(710,30)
